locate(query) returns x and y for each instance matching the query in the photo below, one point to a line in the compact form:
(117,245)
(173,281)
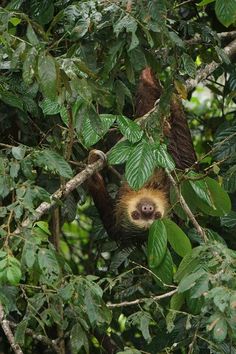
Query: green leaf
(48,265)
(229,220)
(94,119)
(121,91)
(14,169)
(29,66)
(201,189)
(29,254)
(189,65)
(176,39)
(90,136)
(163,158)
(220,330)
(13,271)
(221,204)
(52,161)
(47,75)
(20,332)
(11,99)
(31,36)
(120,152)
(190,280)
(157,243)
(66,292)
(205,2)
(80,29)
(226,12)
(165,270)
(229,180)
(17,55)
(225,144)
(177,301)
(129,129)
(15,21)
(177,238)
(49,107)
(18,152)
(42,10)
(140,165)
(189,264)
(78,339)
(194,305)
(144,325)
(201,287)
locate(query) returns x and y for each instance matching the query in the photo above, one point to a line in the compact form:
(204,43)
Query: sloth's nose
(147,209)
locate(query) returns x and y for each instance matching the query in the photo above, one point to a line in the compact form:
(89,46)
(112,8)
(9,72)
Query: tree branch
(8,332)
(40,338)
(204,72)
(222,35)
(63,192)
(139,301)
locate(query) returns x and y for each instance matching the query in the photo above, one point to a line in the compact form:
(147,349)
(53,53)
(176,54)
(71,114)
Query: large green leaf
(201,189)
(52,161)
(42,10)
(48,265)
(157,243)
(163,158)
(220,329)
(226,11)
(49,107)
(229,220)
(225,143)
(31,35)
(120,152)
(90,135)
(164,271)
(129,129)
(229,180)
(11,99)
(177,238)
(140,165)
(78,339)
(220,201)
(190,280)
(47,73)
(189,264)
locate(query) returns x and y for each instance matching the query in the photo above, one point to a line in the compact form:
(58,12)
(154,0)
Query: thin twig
(184,205)
(140,301)
(8,332)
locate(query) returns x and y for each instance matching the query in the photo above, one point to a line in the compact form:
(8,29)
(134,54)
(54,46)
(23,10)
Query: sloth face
(142,207)
(146,209)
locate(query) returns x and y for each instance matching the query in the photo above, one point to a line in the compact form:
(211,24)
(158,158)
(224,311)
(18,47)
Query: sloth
(131,214)
(136,210)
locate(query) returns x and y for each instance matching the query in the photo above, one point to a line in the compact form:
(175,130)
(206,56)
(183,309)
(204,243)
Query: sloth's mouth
(152,215)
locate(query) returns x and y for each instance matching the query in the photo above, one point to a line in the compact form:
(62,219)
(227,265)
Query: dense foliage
(69,70)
